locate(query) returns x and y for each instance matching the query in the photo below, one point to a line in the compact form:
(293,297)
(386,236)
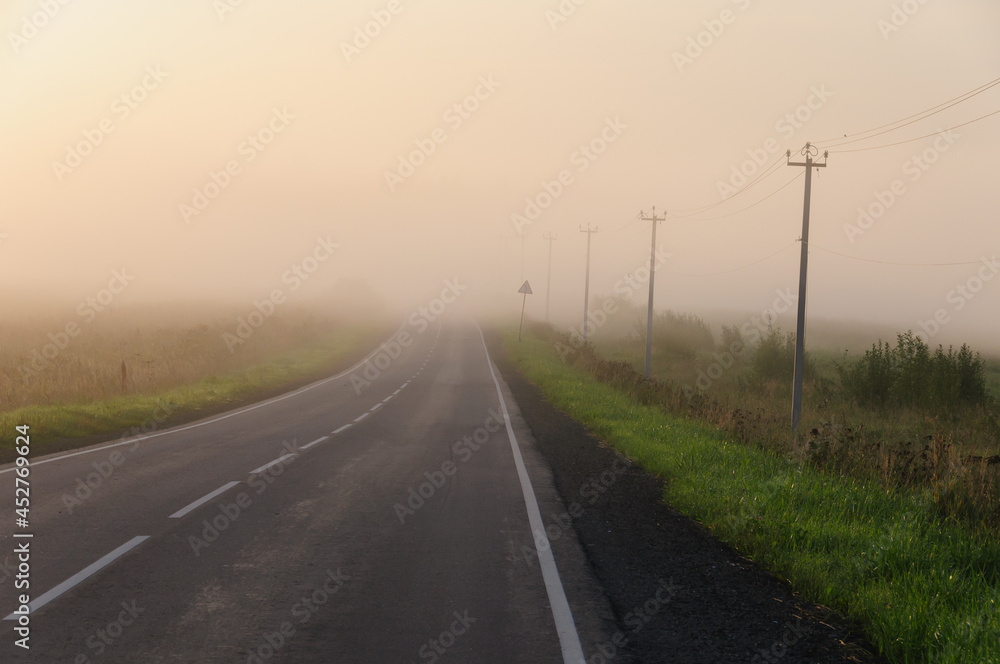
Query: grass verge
(923,589)
(133,413)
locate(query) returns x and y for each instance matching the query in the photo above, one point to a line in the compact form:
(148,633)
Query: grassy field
(923,587)
(173,370)
(948,453)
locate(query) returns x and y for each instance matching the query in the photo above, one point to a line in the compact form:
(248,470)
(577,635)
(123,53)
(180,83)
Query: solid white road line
(272,463)
(343,428)
(315,442)
(82,575)
(201,501)
(569,639)
(132,441)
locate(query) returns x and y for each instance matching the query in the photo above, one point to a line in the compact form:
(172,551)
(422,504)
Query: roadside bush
(909,375)
(774,358)
(678,335)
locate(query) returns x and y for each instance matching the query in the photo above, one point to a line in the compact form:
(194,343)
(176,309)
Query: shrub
(910,375)
(678,335)
(774,358)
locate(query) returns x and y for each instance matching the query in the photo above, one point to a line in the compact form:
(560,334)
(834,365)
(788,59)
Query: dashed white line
(388,398)
(343,428)
(82,575)
(397,391)
(374,408)
(201,501)
(315,442)
(272,463)
(358,419)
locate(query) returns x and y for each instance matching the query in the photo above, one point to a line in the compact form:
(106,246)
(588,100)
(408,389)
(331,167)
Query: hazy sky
(310,114)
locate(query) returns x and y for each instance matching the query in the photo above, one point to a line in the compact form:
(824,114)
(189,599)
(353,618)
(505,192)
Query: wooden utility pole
(652,280)
(586,284)
(809,151)
(548,281)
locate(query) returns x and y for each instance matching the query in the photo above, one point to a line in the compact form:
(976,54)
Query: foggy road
(382,515)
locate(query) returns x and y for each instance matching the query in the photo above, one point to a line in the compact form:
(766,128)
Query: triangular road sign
(525,288)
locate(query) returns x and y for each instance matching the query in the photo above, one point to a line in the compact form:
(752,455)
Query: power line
(910,119)
(872,260)
(744,267)
(910,140)
(772,168)
(796,177)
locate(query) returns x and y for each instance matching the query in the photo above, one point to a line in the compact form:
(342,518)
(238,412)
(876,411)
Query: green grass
(123,413)
(923,589)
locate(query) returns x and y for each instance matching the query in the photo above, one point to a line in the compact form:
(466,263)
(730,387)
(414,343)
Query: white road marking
(388,398)
(315,442)
(201,501)
(397,391)
(343,428)
(272,463)
(569,639)
(132,441)
(82,575)
(362,417)
(374,408)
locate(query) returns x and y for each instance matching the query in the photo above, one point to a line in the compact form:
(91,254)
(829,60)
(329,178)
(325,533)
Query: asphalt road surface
(388,516)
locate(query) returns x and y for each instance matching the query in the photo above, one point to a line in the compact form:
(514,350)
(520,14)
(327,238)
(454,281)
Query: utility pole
(548,281)
(652,280)
(586,288)
(800,324)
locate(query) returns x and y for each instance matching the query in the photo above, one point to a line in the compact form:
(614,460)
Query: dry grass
(142,350)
